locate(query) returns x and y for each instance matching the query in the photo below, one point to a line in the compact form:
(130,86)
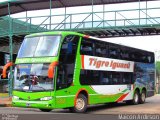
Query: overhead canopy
(27,5)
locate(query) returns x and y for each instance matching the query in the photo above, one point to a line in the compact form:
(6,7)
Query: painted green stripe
(124,90)
(36,60)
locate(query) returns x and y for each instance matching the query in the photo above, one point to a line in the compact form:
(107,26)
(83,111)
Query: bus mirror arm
(51,69)
(4,72)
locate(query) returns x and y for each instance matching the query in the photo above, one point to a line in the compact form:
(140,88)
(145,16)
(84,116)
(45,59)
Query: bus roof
(82,35)
(55,33)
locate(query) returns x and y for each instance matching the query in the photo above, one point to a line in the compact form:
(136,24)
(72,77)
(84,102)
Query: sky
(150,43)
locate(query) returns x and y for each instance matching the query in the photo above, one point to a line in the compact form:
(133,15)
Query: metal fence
(92,20)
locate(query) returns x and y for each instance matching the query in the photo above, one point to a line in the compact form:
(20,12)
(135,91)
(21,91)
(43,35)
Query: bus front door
(65,71)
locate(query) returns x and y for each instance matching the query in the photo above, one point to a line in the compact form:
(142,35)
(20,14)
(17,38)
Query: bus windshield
(39,46)
(32,77)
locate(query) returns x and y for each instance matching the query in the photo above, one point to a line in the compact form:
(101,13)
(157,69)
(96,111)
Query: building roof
(27,5)
(18,26)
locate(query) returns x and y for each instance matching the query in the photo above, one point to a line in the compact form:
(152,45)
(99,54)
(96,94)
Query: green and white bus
(73,70)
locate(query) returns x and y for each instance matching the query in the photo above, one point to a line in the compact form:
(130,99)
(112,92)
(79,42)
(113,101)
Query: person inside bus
(67,49)
(98,52)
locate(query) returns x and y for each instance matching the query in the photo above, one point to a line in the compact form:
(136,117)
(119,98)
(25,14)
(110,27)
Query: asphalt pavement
(149,110)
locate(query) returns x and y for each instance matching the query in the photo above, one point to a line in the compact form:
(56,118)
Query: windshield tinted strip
(36,60)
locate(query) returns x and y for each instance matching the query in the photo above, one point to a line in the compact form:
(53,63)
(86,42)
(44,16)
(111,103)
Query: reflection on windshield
(32,77)
(39,46)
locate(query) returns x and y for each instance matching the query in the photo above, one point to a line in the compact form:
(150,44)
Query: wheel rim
(143,97)
(136,98)
(80,104)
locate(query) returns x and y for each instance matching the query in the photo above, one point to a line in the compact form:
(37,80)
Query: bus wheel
(142,97)
(135,100)
(80,105)
(46,110)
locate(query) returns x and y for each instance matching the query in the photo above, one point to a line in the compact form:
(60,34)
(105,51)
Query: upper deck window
(39,46)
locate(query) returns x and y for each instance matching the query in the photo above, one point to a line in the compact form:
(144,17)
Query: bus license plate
(28,104)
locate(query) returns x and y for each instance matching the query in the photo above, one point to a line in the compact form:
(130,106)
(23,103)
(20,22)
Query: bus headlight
(46,98)
(15,98)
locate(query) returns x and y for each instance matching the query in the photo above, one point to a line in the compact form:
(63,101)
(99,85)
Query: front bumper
(33,104)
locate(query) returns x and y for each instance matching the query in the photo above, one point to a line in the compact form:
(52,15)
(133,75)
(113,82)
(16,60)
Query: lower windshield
(32,77)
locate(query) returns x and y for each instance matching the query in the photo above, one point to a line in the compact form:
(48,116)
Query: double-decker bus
(72,70)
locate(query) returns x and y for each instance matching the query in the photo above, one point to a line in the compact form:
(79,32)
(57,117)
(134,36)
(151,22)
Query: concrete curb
(6,102)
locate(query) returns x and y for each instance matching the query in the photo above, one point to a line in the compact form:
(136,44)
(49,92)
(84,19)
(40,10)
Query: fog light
(15,97)
(46,98)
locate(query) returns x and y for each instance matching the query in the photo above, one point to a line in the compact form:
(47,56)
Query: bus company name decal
(99,63)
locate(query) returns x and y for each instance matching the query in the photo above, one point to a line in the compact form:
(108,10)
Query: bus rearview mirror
(51,69)
(4,72)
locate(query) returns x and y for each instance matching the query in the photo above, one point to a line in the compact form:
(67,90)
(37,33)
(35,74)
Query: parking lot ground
(151,106)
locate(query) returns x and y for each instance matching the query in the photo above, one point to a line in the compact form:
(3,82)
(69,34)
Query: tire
(142,97)
(135,100)
(81,104)
(46,110)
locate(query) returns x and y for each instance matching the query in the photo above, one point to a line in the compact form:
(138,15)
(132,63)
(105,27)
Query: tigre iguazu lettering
(113,64)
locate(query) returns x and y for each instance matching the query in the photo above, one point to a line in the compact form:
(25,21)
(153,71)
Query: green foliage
(158,66)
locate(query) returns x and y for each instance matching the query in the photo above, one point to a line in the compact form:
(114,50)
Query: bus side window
(116,78)
(87,47)
(93,77)
(105,78)
(144,57)
(100,49)
(135,56)
(124,54)
(69,49)
(150,58)
(85,77)
(90,77)
(127,78)
(114,52)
